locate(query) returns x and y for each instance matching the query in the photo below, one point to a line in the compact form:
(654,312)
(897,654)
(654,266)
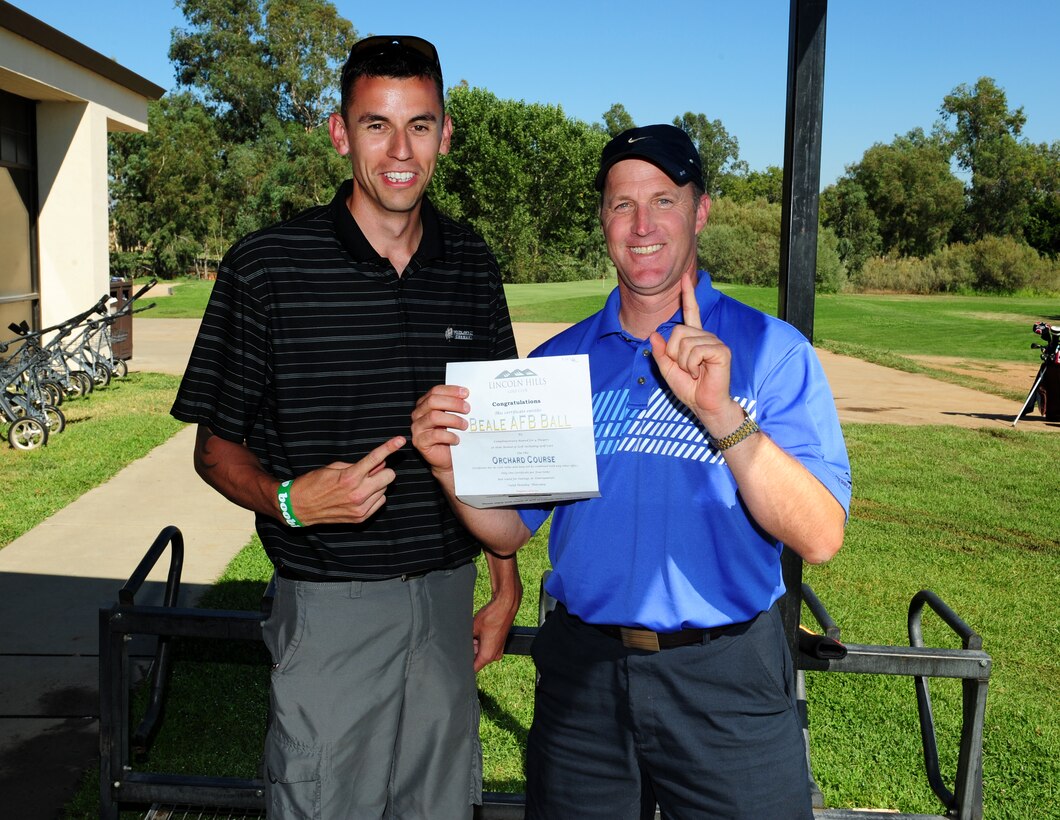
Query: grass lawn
(882,329)
(970,514)
(994,328)
(105,431)
(963,512)
(187,300)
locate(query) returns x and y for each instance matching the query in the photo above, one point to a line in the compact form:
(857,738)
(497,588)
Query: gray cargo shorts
(374,711)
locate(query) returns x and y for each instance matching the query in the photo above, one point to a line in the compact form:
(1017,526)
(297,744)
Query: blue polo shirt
(668,544)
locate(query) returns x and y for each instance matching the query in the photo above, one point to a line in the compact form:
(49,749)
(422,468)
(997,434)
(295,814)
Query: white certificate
(530,432)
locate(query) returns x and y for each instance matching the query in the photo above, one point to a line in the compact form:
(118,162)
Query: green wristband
(283,493)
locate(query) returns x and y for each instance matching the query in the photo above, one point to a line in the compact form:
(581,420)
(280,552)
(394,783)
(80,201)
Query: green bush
(831,273)
(759,215)
(953,269)
(1046,276)
(994,264)
(173,255)
(730,253)
(1001,264)
(906,274)
(741,245)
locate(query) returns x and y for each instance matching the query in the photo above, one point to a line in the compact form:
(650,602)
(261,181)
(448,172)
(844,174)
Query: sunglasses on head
(381,44)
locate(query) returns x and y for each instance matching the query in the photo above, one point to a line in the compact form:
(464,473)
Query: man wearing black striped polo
(320,335)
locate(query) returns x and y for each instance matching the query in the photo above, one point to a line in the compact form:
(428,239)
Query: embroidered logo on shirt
(665,427)
(459,335)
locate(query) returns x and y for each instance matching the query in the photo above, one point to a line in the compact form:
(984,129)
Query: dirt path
(1017,377)
(863,392)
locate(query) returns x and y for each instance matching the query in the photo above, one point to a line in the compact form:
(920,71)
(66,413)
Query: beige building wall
(72,227)
(82,97)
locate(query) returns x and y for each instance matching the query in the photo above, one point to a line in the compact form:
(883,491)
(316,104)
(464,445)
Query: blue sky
(889,62)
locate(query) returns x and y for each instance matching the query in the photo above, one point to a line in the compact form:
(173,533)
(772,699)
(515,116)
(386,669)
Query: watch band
(748,427)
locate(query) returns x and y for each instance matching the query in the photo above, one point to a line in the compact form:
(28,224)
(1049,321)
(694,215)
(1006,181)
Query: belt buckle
(639,638)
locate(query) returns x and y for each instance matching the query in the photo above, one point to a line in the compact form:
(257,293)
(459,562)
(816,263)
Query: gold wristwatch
(747,428)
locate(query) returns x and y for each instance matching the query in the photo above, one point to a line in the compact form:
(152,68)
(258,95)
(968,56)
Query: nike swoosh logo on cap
(637,139)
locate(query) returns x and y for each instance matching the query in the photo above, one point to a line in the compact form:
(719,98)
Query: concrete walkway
(54,579)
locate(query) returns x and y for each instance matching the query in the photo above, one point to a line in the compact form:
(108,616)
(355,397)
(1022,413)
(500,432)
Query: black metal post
(798,226)
(802,162)
(113,712)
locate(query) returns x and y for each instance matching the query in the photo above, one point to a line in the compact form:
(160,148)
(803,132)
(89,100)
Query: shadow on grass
(494,711)
(216,706)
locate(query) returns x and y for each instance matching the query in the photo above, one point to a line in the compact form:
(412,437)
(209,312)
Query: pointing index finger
(689,305)
(379,455)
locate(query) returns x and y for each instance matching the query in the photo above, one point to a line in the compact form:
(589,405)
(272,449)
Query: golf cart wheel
(85,382)
(54,391)
(27,434)
(121,369)
(56,419)
(101,375)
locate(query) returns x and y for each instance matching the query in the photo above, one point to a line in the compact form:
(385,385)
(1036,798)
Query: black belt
(637,638)
(292,574)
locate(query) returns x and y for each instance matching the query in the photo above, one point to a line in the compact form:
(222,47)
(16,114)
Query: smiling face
(650,224)
(393,132)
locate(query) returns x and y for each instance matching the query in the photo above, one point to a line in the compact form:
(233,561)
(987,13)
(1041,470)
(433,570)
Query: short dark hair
(397,56)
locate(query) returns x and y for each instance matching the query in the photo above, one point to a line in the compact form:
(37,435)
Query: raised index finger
(689,305)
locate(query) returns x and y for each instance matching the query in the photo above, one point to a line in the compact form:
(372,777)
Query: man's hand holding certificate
(529,436)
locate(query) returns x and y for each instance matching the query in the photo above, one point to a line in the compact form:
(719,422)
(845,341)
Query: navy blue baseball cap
(664,145)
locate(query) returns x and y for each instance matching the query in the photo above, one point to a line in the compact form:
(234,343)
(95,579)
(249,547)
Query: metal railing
(122,785)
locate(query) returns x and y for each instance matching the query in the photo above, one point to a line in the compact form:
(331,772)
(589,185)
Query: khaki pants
(374,707)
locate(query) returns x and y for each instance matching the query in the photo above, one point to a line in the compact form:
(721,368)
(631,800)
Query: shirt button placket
(641,378)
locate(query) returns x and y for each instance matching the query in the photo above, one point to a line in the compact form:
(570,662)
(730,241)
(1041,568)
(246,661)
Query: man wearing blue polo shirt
(665,677)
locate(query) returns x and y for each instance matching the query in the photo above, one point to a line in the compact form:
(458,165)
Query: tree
(280,174)
(252,59)
(748,186)
(718,151)
(165,185)
(238,148)
(617,119)
(1042,229)
(127,181)
(984,138)
(307,43)
(845,210)
(912,192)
(222,56)
(522,175)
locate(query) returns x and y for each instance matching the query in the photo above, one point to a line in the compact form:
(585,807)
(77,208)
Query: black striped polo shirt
(313,350)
